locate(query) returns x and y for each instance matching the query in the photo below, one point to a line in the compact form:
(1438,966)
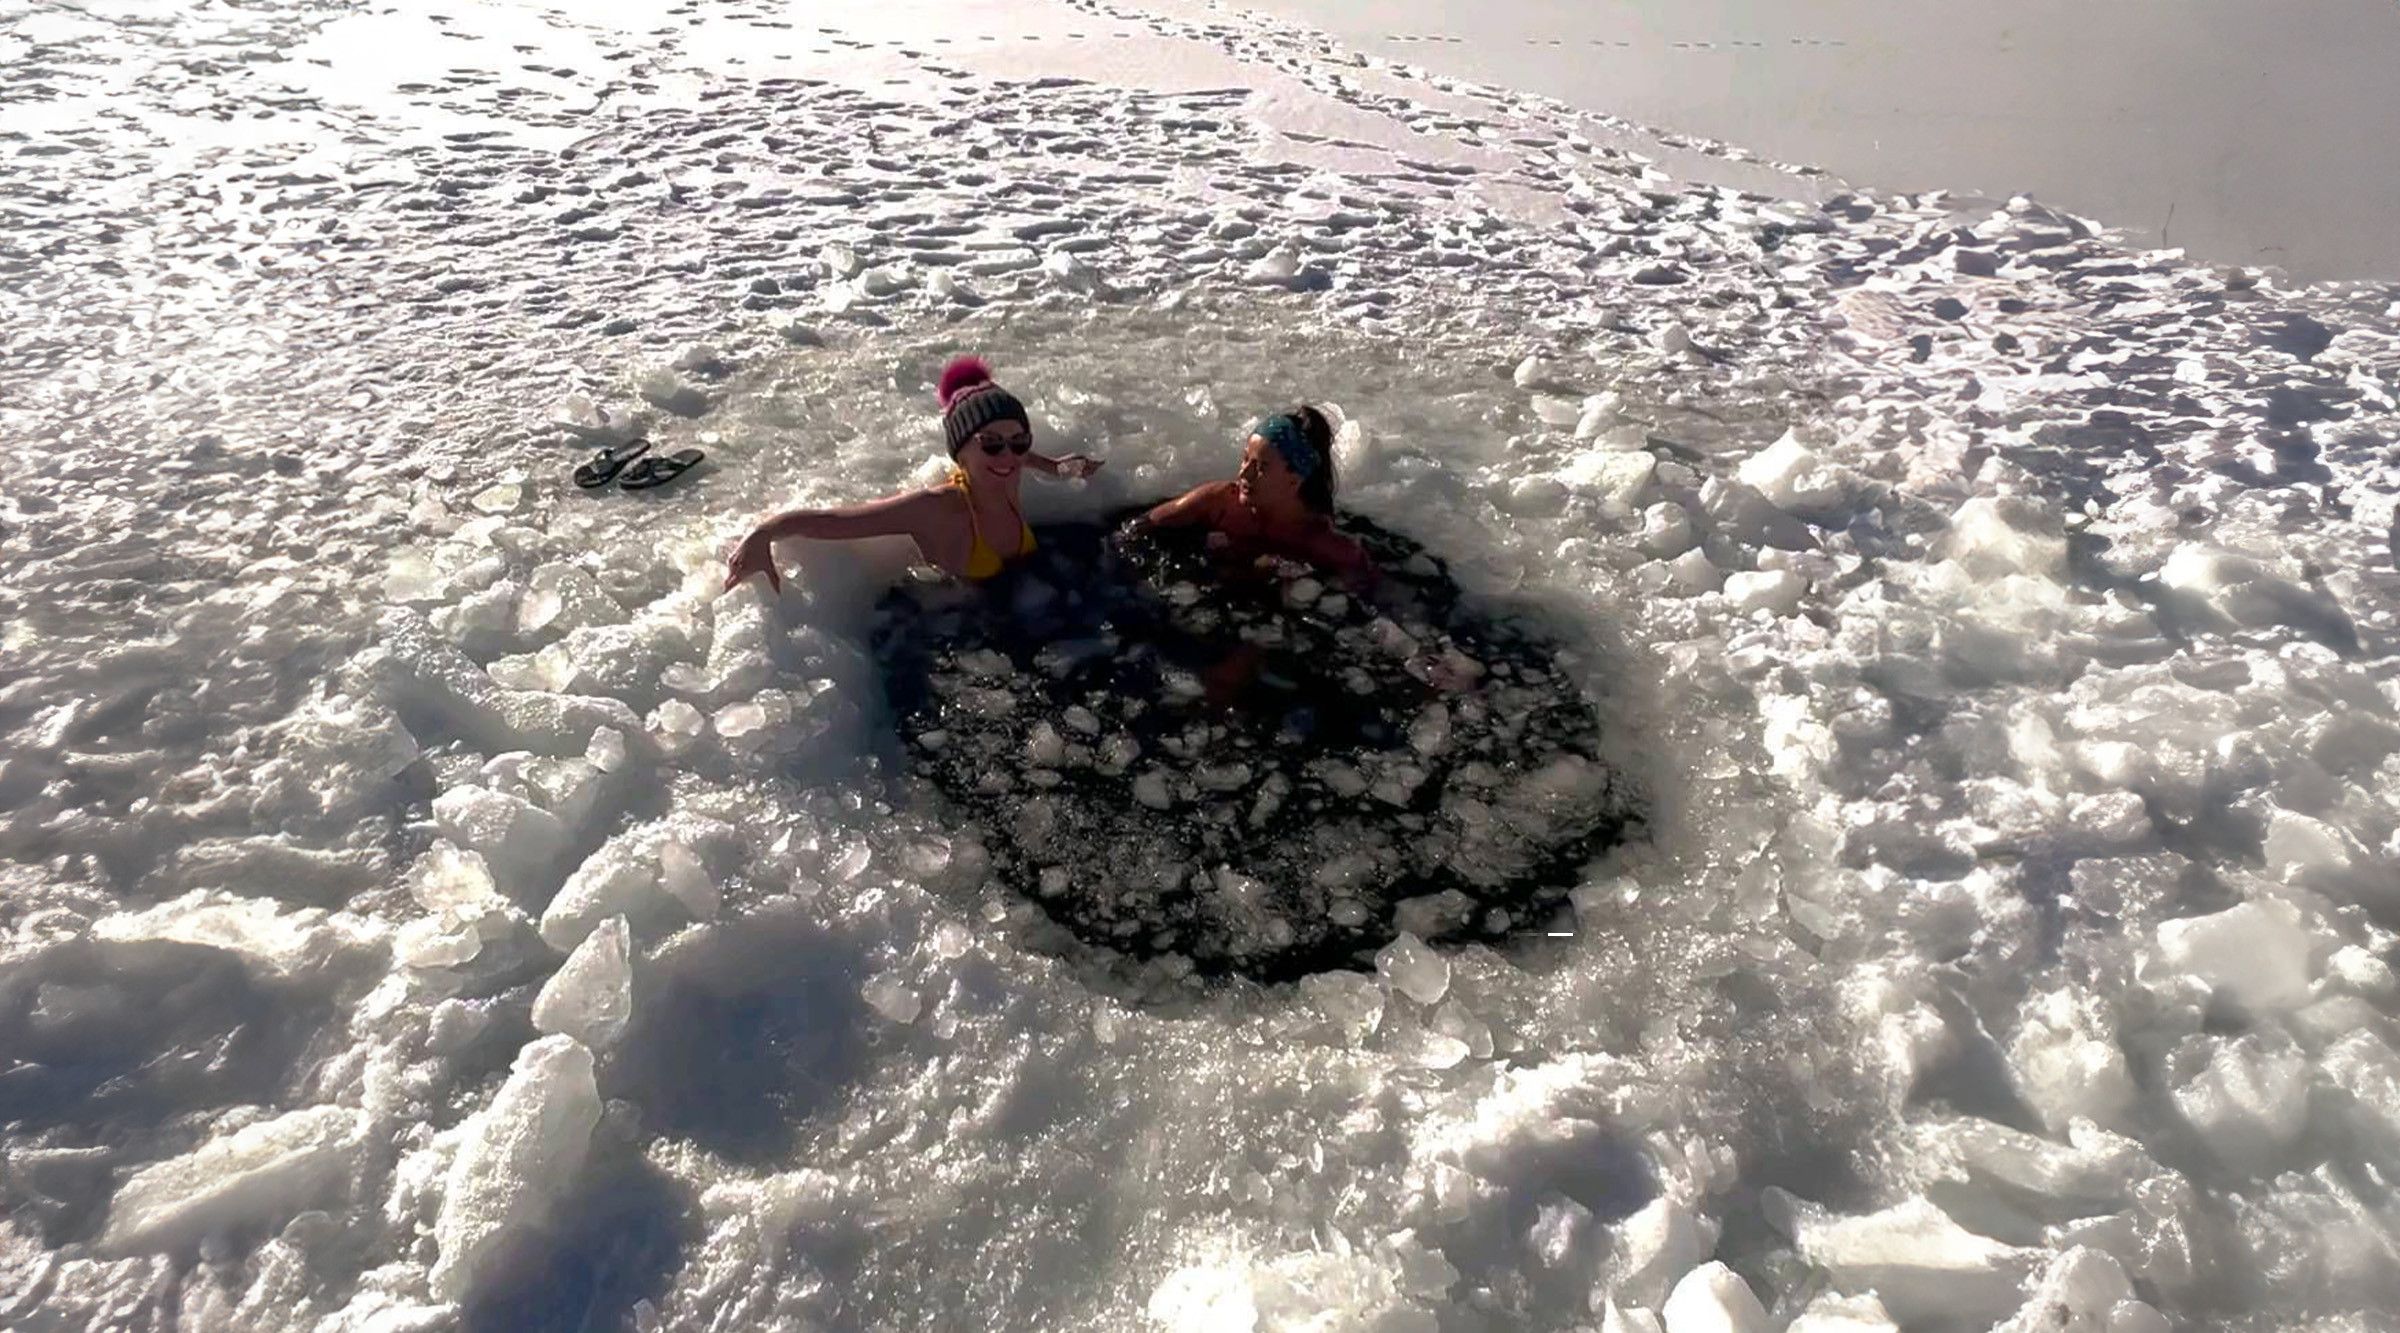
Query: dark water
(1249,768)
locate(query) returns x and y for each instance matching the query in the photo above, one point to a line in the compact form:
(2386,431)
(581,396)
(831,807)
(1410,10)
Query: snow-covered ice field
(428,904)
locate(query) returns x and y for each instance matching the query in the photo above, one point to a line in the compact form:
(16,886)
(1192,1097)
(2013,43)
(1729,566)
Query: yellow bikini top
(982,561)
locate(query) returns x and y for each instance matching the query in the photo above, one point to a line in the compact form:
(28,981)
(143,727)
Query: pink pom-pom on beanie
(971,401)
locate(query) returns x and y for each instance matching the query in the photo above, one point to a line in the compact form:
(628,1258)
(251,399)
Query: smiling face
(1265,480)
(996,452)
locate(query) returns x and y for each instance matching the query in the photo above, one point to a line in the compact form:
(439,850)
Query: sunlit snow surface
(426,902)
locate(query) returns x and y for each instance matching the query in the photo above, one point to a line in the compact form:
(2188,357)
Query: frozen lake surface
(2245,133)
(426,902)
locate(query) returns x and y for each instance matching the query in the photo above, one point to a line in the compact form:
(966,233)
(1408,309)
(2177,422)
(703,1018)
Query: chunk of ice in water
(1794,479)
(1713,1299)
(436,942)
(519,1156)
(1777,591)
(738,720)
(685,878)
(2067,1062)
(2249,1101)
(1923,1265)
(1995,536)
(1044,747)
(2256,954)
(892,999)
(259,1175)
(1831,1313)
(1659,1243)
(1415,969)
(519,841)
(1353,1003)
(272,940)
(590,997)
(2079,1292)
(1666,530)
(607,750)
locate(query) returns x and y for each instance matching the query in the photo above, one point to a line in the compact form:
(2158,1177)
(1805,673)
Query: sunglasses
(1015,444)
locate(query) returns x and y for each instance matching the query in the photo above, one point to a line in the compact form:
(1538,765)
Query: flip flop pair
(625,466)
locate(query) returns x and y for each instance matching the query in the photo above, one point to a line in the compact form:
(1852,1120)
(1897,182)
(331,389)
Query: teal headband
(1283,432)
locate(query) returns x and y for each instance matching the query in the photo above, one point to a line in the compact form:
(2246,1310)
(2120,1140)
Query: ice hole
(1239,768)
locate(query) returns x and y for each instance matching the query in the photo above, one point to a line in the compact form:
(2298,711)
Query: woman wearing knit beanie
(971,525)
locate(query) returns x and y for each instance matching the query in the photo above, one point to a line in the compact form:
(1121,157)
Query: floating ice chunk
(1994,536)
(1831,1313)
(893,999)
(1795,480)
(275,942)
(1600,412)
(1713,1299)
(2368,1073)
(1414,969)
(648,873)
(269,863)
(1353,1003)
(2310,853)
(1615,1318)
(606,751)
(2082,1291)
(456,884)
(1777,591)
(1433,915)
(1615,479)
(2096,1166)
(1666,530)
(1539,372)
(2249,1099)
(1922,1264)
(1151,790)
(2255,954)
(2110,819)
(1693,573)
(590,997)
(423,673)
(685,877)
(436,942)
(1657,1245)
(2361,973)
(2230,589)
(258,1175)
(519,1156)
(520,841)
(2067,1063)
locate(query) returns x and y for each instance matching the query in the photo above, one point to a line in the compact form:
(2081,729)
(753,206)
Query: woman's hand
(754,554)
(1078,467)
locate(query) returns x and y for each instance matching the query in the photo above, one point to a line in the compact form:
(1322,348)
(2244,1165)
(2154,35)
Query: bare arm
(908,514)
(1197,505)
(901,515)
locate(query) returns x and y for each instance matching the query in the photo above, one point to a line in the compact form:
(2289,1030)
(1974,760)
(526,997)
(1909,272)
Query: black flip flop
(606,464)
(655,471)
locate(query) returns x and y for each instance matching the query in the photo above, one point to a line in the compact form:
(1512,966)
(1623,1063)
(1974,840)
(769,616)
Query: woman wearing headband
(970,525)
(1279,504)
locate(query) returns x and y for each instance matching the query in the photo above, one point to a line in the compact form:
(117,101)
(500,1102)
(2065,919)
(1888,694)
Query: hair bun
(963,373)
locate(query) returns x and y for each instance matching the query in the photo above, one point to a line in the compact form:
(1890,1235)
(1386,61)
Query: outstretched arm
(903,515)
(1197,505)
